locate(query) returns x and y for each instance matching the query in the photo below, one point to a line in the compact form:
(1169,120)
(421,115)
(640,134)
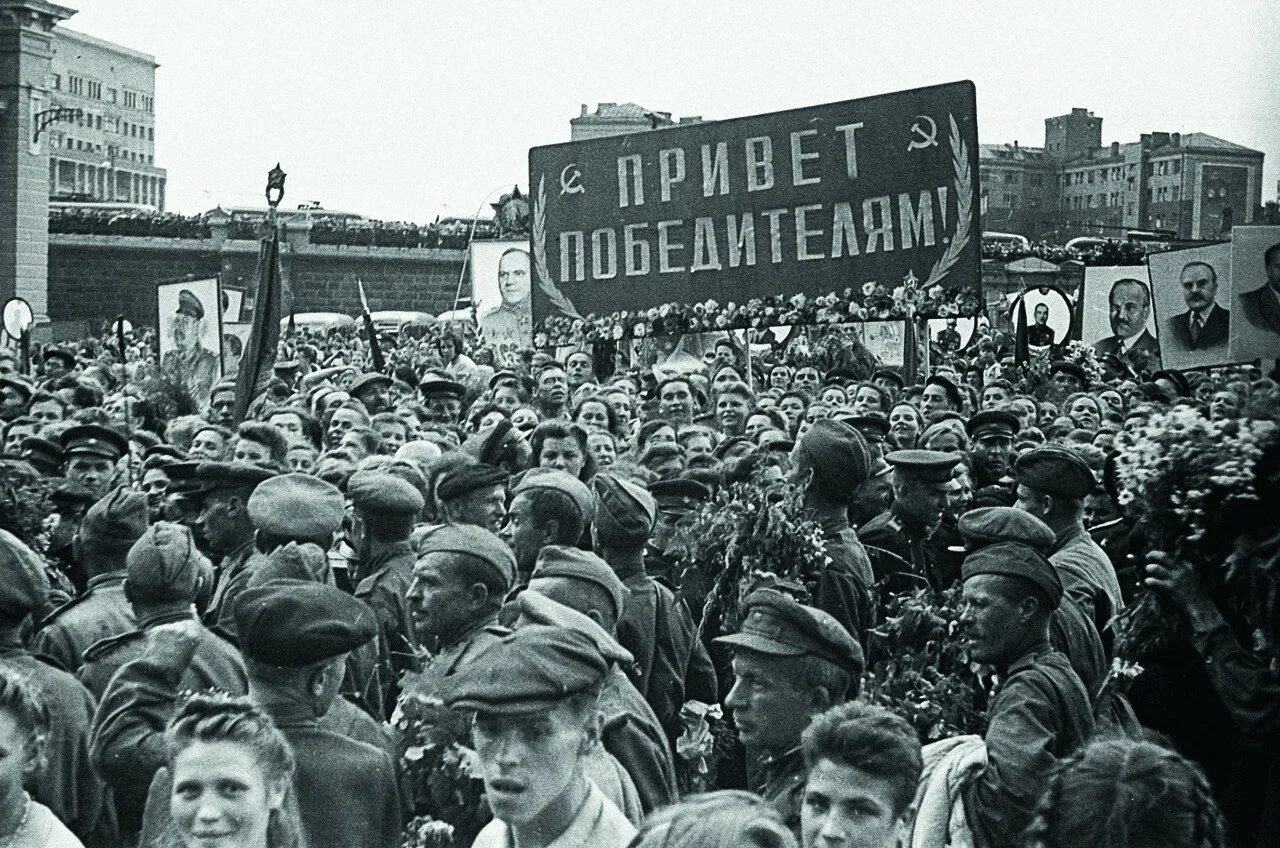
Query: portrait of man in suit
(1204,324)
(1040,334)
(1261,306)
(1129,309)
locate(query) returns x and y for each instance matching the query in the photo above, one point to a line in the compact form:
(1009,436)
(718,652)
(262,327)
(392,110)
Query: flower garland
(442,773)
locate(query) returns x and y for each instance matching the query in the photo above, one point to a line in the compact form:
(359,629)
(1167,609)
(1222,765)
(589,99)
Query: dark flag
(260,352)
(375,350)
(911,354)
(1021,348)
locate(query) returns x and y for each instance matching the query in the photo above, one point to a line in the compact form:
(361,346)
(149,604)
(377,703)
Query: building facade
(108,154)
(1193,185)
(619,119)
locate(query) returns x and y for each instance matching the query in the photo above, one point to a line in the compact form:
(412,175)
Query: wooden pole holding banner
(375,350)
(260,353)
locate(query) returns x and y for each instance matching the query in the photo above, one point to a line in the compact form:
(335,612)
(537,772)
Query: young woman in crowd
(24,727)
(905,426)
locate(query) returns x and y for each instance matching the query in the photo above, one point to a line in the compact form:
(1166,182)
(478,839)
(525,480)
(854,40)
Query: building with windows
(1194,185)
(620,119)
(108,153)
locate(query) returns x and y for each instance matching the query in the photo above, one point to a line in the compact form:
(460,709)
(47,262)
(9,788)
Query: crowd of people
(449,601)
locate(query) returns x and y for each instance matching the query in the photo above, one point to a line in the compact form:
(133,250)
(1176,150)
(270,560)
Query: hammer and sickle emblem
(571,180)
(923,138)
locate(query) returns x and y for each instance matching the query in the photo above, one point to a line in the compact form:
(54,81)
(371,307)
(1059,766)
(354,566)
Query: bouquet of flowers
(1191,477)
(919,670)
(1037,380)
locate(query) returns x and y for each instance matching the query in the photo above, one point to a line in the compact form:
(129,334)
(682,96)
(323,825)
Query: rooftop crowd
(460,602)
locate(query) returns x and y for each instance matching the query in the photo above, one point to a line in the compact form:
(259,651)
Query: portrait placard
(1255,293)
(190,333)
(1048,313)
(499,272)
(1192,292)
(1118,319)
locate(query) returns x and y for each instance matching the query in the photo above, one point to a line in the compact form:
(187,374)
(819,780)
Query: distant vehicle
(456,315)
(319,321)
(67,205)
(1086,243)
(394,320)
(1013,240)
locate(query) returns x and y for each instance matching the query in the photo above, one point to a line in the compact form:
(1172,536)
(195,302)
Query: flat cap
(575,564)
(500,377)
(839,375)
(164,565)
(932,467)
(381,493)
(475,542)
(70,493)
(94,439)
(19,385)
(189,304)
(1014,559)
(679,494)
(368,381)
(1055,471)
(1064,366)
(836,452)
(442,388)
(23,585)
(226,476)
(891,376)
(561,481)
(537,608)
(163,450)
(1179,380)
(991,525)
(68,358)
(43,455)
(992,421)
(297,506)
(776,623)
(529,671)
(952,390)
(297,623)
(625,512)
(466,479)
(294,561)
(117,520)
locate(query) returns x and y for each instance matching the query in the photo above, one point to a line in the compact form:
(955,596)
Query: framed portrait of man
(1192,292)
(1118,319)
(1255,293)
(951,334)
(1048,317)
(189,318)
(500,291)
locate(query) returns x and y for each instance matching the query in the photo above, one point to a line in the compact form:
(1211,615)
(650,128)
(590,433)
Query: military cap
(117,520)
(625,513)
(294,561)
(500,377)
(70,493)
(564,561)
(285,366)
(23,585)
(163,450)
(679,494)
(297,506)
(775,443)
(378,492)
(442,388)
(1064,367)
(68,358)
(873,426)
(926,466)
(182,477)
(952,390)
(189,304)
(560,481)
(1177,378)
(227,385)
(475,542)
(1055,471)
(466,479)
(1014,559)
(879,468)
(223,476)
(993,524)
(776,623)
(528,671)
(367,381)
(19,385)
(94,439)
(164,565)
(297,623)
(836,452)
(992,421)
(419,452)
(892,376)
(836,375)
(45,456)
(537,608)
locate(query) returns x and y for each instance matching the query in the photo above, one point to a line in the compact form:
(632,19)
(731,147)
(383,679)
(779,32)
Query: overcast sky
(409,110)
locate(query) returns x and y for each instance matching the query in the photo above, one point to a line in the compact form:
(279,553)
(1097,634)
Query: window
(1090,177)
(131,99)
(151,133)
(1175,191)
(1177,166)
(56,84)
(97,122)
(111,95)
(75,85)
(985,175)
(94,90)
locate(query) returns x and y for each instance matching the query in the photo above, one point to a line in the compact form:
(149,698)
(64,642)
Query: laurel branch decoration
(557,297)
(964,208)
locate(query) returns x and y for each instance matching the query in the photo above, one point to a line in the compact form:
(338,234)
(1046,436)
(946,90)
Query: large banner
(874,201)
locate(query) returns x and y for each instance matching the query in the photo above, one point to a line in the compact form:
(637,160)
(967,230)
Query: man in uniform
(102,544)
(790,662)
(672,663)
(1040,334)
(443,400)
(510,325)
(1052,485)
(874,429)
(546,680)
(550,508)
(676,499)
(991,456)
(91,452)
(1040,714)
(190,362)
(896,539)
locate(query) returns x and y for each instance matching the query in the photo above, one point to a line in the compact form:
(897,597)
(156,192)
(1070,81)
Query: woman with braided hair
(232,772)
(1125,793)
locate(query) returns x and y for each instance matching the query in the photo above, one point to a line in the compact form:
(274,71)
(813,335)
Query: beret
(367,381)
(625,513)
(380,492)
(776,623)
(537,608)
(23,585)
(992,421)
(466,479)
(528,671)
(189,304)
(226,476)
(837,452)
(94,439)
(294,561)
(564,561)
(561,481)
(1065,367)
(1014,559)
(164,565)
(474,542)
(993,524)
(118,520)
(443,388)
(297,623)
(45,456)
(952,390)
(1055,471)
(297,506)
(926,466)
